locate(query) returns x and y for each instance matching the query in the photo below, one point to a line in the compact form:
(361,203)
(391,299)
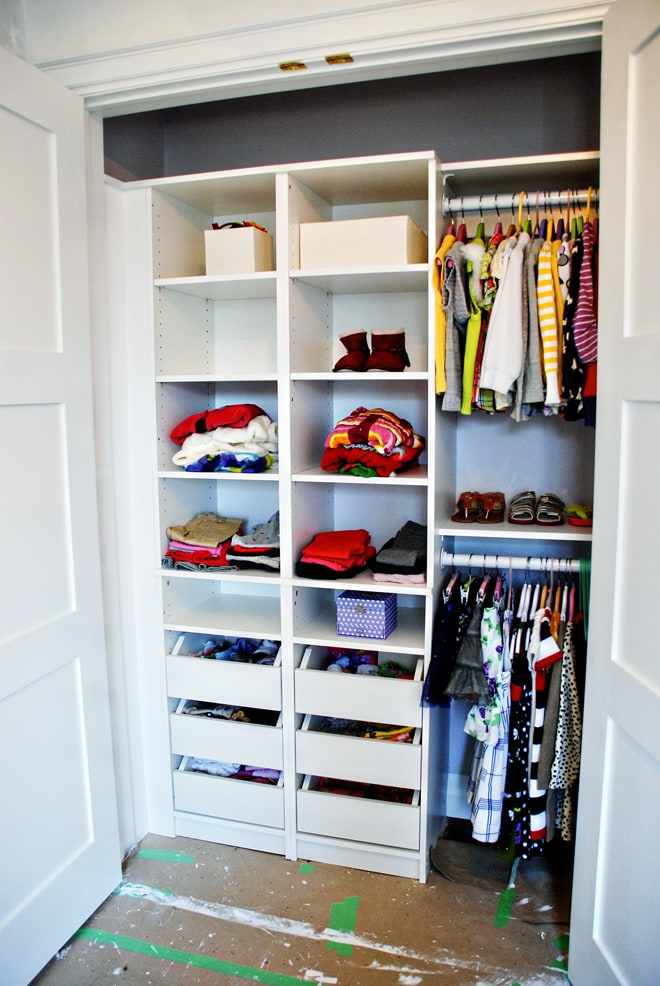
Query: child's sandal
(522,508)
(467,508)
(579,515)
(549,510)
(493,506)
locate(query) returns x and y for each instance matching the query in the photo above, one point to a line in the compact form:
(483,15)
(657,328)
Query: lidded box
(238,250)
(366,614)
(379,241)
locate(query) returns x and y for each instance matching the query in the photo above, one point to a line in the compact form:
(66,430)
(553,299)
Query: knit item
(440,317)
(406,551)
(376,426)
(257,437)
(548,324)
(585,325)
(229,416)
(456,304)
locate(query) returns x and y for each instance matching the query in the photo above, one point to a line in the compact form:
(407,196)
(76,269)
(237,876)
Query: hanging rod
(510,201)
(450,559)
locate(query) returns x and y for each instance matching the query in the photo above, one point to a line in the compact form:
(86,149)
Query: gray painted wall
(534,107)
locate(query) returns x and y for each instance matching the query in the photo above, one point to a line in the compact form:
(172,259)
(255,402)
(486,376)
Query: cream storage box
(385,241)
(238,250)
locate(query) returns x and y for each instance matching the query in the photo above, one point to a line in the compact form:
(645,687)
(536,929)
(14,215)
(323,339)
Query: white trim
(240,62)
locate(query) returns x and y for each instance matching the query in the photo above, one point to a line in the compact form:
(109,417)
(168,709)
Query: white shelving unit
(272,339)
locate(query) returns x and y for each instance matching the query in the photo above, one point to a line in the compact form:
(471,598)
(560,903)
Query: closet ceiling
(126,57)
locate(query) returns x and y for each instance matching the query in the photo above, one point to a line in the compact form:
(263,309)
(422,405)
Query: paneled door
(614,933)
(58,825)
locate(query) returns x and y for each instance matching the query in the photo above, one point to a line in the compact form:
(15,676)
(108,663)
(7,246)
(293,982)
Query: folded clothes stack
(403,557)
(233,438)
(202,543)
(259,548)
(371,442)
(336,555)
(215,543)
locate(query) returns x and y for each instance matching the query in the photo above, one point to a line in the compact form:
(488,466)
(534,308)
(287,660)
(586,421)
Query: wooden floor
(191,913)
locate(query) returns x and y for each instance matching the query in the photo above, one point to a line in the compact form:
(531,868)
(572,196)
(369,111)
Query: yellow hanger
(589,194)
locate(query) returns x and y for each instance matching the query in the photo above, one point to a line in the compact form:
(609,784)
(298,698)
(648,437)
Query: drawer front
(358,819)
(223,797)
(358,759)
(353,696)
(236,742)
(231,682)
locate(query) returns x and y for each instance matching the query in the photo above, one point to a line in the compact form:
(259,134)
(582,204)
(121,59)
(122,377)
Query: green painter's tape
(343,917)
(188,958)
(166,855)
(504,908)
(306,868)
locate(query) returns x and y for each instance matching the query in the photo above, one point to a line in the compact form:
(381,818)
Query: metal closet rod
(511,201)
(450,559)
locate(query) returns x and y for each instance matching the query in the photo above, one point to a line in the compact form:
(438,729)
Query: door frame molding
(402,37)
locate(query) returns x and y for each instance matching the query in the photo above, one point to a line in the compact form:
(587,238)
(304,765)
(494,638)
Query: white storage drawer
(229,740)
(377,822)
(226,797)
(357,758)
(230,682)
(356,696)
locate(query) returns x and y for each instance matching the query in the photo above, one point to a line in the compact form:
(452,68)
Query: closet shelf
(511,532)
(223,287)
(416,476)
(407,638)
(542,171)
(366,280)
(230,477)
(364,581)
(217,378)
(365,379)
(229,617)
(241,575)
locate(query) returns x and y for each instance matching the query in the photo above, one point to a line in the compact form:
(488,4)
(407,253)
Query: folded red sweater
(230,416)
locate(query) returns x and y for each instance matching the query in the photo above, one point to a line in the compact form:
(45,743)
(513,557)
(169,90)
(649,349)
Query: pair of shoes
(479,508)
(388,351)
(580,515)
(547,510)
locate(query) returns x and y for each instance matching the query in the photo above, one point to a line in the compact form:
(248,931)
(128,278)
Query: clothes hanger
(462,234)
(480,234)
(451,229)
(560,222)
(497,231)
(526,226)
(550,228)
(511,231)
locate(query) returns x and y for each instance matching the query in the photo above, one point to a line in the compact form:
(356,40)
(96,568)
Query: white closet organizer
(272,339)
(488,453)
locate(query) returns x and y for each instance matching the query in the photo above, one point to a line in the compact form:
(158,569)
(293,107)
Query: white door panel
(614,938)
(58,823)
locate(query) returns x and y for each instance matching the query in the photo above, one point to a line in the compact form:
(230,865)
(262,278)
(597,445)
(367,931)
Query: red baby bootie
(357,351)
(388,351)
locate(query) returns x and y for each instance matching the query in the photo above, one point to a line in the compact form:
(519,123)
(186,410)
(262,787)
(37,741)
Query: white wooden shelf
(223,287)
(366,280)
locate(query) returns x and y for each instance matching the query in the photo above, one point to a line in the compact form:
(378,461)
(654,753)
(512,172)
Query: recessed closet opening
(222,341)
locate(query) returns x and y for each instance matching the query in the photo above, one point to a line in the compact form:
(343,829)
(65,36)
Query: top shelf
(544,172)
